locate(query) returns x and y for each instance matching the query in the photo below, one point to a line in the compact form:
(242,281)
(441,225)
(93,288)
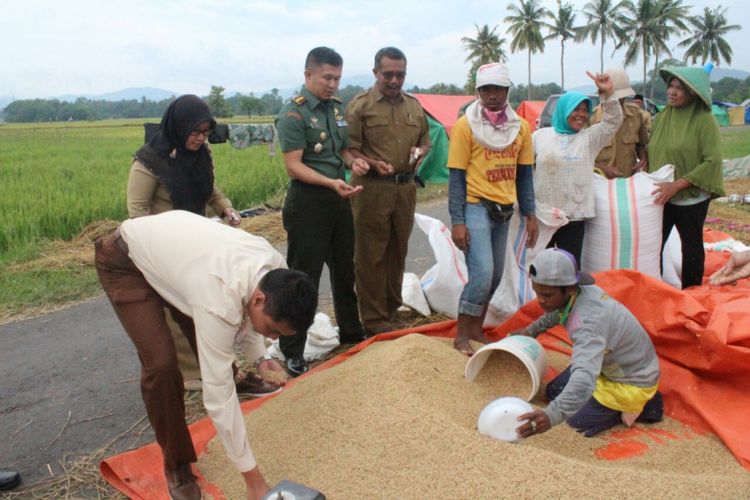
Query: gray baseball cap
(556,267)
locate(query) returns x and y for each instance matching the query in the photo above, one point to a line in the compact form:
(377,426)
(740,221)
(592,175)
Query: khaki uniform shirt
(208,271)
(385,130)
(148,196)
(647,120)
(619,157)
(316,127)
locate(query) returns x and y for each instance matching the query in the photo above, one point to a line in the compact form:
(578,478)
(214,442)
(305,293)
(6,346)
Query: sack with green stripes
(626,232)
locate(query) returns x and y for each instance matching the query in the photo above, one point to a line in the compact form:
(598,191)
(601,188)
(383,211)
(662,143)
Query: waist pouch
(496,211)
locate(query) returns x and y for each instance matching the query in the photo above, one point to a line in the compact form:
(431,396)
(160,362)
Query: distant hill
(364,81)
(150,93)
(716,75)
(719,73)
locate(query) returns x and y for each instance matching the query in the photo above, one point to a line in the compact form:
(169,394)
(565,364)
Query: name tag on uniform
(341,123)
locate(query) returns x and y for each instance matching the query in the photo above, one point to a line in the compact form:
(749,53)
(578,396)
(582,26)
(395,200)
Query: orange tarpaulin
(702,336)
(530,111)
(443,108)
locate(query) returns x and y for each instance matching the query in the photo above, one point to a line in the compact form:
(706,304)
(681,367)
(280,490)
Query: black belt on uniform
(299,184)
(120,243)
(400,178)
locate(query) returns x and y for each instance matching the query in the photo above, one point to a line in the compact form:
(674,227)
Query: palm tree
(708,40)
(487,47)
(641,32)
(526,28)
(672,17)
(604,19)
(562,27)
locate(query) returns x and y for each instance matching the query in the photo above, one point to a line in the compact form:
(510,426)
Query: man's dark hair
(323,55)
(290,297)
(638,96)
(390,53)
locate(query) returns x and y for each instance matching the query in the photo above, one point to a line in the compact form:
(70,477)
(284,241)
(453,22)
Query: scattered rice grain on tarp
(398,420)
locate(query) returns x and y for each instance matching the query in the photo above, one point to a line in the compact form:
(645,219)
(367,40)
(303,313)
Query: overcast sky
(51,48)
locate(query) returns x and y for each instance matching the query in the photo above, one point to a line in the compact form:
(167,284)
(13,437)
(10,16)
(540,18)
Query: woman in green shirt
(686,135)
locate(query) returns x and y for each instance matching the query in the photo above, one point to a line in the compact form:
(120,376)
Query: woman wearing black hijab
(174,170)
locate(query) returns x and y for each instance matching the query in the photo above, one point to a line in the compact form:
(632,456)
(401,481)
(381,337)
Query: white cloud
(87,46)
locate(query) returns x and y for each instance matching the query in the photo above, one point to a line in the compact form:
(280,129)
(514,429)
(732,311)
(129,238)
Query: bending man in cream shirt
(221,284)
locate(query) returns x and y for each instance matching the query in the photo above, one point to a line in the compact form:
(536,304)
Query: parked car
(648,104)
(545,117)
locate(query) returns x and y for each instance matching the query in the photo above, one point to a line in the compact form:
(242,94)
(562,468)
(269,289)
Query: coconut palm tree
(603,20)
(641,32)
(487,47)
(707,41)
(672,18)
(562,27)
(526,27)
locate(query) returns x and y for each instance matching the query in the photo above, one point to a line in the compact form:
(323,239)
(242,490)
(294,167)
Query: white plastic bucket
(527,349)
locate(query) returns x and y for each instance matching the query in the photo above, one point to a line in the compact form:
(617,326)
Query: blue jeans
(484,259)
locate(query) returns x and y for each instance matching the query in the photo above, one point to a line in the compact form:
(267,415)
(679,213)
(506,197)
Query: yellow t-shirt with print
(490,174)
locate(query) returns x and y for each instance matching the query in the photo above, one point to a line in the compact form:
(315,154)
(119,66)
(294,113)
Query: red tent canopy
(530,111)
(444,108)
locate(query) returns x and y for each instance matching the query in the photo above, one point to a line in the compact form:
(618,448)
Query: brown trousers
(141,312)
(383,220)
(186,359)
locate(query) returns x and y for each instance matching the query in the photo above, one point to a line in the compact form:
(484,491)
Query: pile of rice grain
(398,420)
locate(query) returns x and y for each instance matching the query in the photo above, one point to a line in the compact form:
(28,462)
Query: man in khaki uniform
(388,129)
(626,154)
(638,101)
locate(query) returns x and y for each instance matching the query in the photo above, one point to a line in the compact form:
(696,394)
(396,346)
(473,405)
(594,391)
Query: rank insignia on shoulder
(337,99)
(299,100)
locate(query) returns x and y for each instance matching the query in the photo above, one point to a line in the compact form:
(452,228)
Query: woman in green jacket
(686,135)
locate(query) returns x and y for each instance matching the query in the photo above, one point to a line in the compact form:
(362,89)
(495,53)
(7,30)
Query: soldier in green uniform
(389,130)
(626,154)
(317,215)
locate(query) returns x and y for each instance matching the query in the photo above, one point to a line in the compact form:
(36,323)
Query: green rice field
(57,178)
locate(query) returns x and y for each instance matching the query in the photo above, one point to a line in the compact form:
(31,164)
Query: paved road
(69,379)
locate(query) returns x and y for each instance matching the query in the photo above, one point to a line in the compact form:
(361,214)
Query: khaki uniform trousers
(383,220)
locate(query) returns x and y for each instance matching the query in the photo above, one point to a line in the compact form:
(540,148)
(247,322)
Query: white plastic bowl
(499,419)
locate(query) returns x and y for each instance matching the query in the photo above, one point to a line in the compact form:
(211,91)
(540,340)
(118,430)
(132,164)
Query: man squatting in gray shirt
(613,376)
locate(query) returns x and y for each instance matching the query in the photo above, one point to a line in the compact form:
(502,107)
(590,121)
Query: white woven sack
(412,295)
(515,287)
(443,282)
(626,232)
(672,257)
(322,338)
